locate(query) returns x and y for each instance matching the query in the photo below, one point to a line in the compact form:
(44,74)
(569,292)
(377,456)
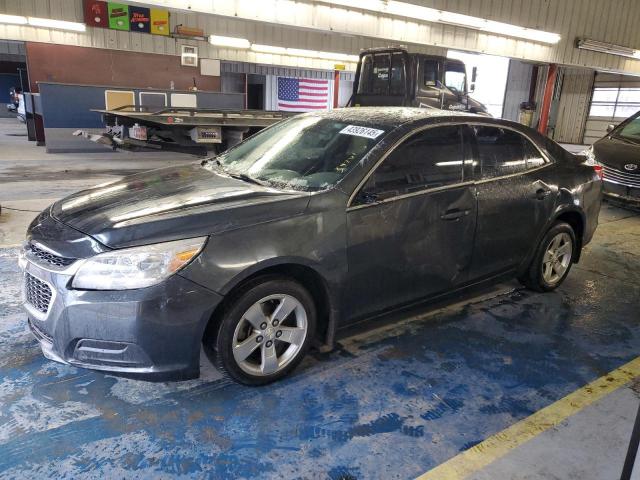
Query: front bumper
(153,333)
(622,194)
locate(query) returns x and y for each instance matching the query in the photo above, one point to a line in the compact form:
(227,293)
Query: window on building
(614,103)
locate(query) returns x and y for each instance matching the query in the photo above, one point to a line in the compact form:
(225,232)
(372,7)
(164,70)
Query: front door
(411,224)
(516,195)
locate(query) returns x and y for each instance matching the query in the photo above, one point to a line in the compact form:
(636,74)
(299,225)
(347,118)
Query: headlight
(136,267)
(591,157)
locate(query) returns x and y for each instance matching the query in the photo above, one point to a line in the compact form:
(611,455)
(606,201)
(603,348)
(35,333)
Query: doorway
(491,78)
(255,91)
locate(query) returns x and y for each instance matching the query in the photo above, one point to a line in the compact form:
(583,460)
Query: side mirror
(472,88)
(367,198)
(474,74)
(610,128)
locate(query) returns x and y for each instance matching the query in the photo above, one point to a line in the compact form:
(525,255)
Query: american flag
(302,94)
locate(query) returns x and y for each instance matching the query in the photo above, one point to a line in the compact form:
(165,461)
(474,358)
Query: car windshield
(307,153)
(631,131)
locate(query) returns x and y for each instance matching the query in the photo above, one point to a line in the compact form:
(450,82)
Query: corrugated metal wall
(574,105)
(518,84)
(12,51)
(306,24)
(596,127)
(252,68)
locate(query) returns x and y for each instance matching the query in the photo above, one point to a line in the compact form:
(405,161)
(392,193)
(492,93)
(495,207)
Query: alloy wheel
(270,334)
(557,258)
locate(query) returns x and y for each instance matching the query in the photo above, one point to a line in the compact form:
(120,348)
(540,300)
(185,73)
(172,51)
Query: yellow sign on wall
(159,22)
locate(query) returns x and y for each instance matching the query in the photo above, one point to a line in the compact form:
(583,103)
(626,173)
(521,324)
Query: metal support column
(548,96)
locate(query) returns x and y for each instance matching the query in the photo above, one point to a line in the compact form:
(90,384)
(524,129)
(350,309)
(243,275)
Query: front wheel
(265,332)
(553,259)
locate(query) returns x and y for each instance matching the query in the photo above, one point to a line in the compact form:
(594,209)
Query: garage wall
(12,51)
(305,24)
(518,84)
(596,127)
(68,64)
(573,109)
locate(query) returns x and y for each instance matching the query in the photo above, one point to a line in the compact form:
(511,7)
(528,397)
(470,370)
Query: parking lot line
(549,417)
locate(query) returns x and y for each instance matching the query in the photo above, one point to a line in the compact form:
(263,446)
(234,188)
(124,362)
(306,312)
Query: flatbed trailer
(198,131)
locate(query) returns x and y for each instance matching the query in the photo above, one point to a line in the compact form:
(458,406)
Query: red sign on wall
(95,14)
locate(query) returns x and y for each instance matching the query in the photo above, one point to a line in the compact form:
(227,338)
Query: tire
(538,277)
(250,318)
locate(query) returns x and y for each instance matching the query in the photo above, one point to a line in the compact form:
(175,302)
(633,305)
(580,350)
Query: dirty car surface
(312,224)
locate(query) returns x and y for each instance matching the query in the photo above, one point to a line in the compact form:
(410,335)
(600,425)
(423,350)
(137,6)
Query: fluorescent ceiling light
(603,47)
(57,24)
(232,42)
(417,12)
(298,52)
(13,19)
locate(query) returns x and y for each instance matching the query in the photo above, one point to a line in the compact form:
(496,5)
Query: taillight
(599,171)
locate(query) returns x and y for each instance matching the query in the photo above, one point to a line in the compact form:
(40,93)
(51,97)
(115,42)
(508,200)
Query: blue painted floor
(391,402)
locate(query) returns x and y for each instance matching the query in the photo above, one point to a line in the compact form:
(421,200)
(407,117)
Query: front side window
(503,152)
(307,153)
(429,159)
(455,77)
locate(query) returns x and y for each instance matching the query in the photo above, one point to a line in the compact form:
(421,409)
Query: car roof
(391,116)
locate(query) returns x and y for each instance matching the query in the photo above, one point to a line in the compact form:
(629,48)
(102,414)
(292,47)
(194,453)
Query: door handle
(454,214)
(542,193)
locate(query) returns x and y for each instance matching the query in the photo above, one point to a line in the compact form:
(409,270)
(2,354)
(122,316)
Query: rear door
(516,195)
(411,224)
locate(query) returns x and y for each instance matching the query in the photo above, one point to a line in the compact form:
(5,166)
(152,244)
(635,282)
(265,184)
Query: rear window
(382,74)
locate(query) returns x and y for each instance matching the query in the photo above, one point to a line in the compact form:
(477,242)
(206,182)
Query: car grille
(38,294)
(50,258)
(620,177)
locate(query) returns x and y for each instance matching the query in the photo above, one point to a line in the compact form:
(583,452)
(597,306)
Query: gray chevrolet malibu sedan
(317,222)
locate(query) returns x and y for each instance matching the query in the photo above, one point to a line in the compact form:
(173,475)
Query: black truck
(395,77)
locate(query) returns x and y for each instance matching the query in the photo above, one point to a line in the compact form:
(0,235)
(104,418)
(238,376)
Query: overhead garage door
(615,97)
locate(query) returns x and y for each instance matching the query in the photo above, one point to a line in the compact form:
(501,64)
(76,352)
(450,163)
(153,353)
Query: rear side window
(429,159)
(503,152)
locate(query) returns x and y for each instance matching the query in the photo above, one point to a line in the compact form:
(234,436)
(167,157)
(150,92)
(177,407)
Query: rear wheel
(553,259)
(265,332)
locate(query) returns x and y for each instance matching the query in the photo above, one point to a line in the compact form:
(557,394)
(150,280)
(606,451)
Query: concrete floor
(412,391)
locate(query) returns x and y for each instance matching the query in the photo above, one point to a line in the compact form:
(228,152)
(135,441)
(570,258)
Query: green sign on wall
(118,16)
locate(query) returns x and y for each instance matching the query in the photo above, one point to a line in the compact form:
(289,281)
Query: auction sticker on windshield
(361,131)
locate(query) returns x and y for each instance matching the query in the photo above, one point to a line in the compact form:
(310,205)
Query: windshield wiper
(239,176)
(246,178)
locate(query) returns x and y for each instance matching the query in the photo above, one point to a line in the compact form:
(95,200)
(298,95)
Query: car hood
(173,203)
(616,153)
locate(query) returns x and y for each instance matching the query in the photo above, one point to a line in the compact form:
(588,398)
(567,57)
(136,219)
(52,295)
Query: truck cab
(395,77)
